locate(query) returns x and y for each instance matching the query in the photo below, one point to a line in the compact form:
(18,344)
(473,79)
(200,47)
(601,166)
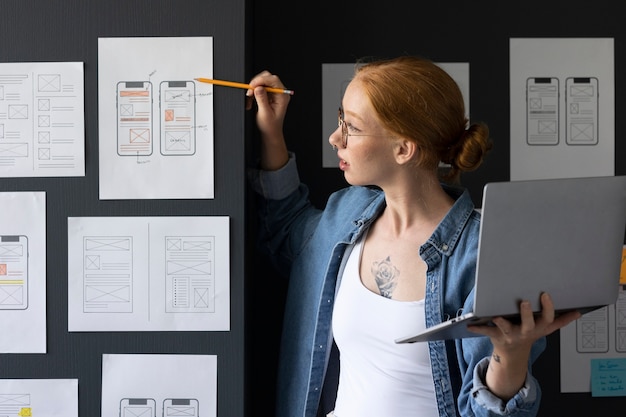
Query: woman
(391,254)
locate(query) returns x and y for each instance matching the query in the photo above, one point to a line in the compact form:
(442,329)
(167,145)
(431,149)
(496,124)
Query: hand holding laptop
(531,324)
(512,343)
(561,236)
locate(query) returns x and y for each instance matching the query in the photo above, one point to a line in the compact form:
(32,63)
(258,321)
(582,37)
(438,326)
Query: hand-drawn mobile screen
(581,117)
(13,272)
(177,101)
(190,275)
(542,111)
(15,405)
(180,407)
(134,118)
(592,332)
(134,407)
(108,274)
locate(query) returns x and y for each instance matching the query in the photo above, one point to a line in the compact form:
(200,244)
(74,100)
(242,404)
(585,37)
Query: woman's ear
(405,150)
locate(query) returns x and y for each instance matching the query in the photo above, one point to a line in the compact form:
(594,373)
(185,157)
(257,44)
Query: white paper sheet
(562,108)
(148,273)
(42,130)
(156,122)
(23,272)
(600,334)
(159,385)
(39,397)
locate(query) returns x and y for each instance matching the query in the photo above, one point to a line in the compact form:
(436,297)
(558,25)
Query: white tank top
(377,376)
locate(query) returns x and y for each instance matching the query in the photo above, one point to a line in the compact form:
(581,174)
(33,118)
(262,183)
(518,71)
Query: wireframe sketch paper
(139,385)
(156,121)
(599,335)
(148,273)
(23,272)
(39,397)
(42,130)
(562,107)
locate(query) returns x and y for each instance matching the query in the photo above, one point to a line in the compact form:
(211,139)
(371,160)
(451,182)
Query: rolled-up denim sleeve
(524,403)
(278,184)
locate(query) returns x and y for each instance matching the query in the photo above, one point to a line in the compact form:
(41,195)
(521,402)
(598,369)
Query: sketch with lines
(159,385)
(107,279)
(134,123)
(581,97)
(156,138)
(562,108)
(189,285)
(592,332)
(172,407)
(177,104)
(176,407)
(136,407)
(148,273)
(542,110)
(42,120)
(15,405)
(39,397)
(13,272)
(23,272)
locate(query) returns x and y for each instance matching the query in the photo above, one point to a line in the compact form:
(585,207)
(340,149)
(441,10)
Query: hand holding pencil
(242,85)
(270,115)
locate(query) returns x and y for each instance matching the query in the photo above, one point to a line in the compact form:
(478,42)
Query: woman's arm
(512,345)
(271,111)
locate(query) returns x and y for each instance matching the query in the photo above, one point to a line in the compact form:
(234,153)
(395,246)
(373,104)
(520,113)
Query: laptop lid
(561,236)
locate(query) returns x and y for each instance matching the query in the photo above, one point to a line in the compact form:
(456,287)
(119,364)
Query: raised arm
(271,111)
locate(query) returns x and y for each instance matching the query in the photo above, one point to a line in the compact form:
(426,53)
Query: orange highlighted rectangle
(140,93)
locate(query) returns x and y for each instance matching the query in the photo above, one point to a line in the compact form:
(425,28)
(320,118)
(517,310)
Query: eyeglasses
(344,129)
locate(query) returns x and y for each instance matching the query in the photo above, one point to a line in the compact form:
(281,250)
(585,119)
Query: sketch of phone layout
(15,405)
(108,274)
(134,407)
(542,111)
(581,116)
(134,118)
(13,272)
(177,101)
(592,331)
(190,277)
(176,407)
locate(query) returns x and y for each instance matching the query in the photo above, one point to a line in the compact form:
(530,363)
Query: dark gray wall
(293,40)
(68,30)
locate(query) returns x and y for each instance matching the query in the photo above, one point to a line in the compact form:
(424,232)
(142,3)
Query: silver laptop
(561,236)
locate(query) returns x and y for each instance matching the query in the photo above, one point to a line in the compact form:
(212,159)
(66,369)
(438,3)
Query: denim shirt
(308,245)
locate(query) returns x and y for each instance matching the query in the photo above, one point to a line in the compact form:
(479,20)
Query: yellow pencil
(242,85)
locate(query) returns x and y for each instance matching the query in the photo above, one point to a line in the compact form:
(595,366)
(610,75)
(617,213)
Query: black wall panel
(68,30)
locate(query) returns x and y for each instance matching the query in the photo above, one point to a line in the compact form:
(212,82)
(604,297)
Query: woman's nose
(335,138)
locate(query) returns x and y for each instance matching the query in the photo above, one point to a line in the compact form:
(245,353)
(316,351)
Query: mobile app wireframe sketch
(134,118)
(542,111)
(13,272)
(177,103)
(581,116)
